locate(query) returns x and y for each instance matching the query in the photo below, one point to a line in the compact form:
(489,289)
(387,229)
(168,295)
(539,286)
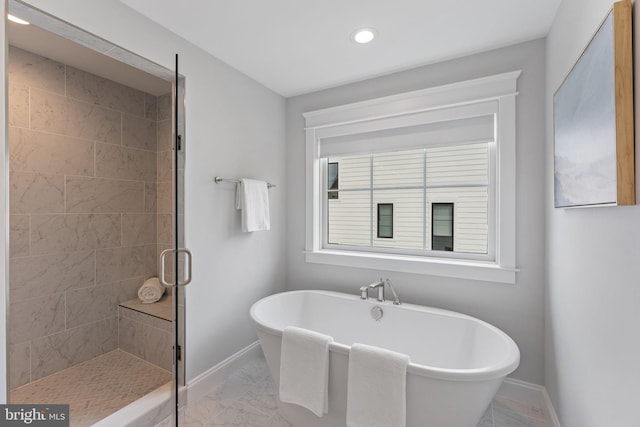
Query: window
(332,180)
(442,226)
(411,180)
(423,179)
(385,220)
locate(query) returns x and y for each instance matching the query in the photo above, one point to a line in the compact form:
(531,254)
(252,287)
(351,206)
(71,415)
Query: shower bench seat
(145,330)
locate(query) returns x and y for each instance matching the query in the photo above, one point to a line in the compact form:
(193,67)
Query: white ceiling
(299,46)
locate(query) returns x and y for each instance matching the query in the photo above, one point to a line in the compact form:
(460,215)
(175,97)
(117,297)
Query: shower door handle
(187,266)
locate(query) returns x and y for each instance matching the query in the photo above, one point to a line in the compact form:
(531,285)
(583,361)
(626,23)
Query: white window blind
(449,132)
(461,124)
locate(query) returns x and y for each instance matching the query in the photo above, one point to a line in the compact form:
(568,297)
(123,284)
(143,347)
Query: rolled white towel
(151,291)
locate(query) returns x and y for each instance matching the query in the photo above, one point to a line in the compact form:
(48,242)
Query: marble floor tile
(96,388)
(505,416)
(278,421)
(262,395)
(511,405)
(249,398)
(225,413)
(487,418)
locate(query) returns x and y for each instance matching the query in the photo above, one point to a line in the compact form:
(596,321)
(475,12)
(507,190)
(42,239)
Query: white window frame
(414,108)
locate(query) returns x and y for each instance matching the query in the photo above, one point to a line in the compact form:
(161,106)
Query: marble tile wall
(90,203)
(164,189)
(164,169)
(145,336)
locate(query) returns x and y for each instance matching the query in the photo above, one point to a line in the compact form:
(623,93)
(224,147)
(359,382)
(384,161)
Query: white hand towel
(151,291)
(252,197)
(304,369)
(376,394)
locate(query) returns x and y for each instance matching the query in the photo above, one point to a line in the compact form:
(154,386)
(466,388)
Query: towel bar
(219,179)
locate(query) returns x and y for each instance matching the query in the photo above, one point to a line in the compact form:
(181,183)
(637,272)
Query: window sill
(473,270)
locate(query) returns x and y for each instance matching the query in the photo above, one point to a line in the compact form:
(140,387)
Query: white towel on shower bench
(151,291)
(376,394)
(304,369)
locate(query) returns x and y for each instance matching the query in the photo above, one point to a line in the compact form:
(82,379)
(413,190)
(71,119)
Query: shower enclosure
(96,164)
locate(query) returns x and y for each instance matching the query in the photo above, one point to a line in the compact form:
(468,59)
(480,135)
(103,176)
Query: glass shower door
(175,262)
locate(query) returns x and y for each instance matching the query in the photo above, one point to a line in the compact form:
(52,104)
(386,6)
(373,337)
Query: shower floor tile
(96,388)
(249,398)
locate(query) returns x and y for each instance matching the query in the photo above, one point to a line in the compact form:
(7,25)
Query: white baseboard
(206,381)
(528,394)
(551,409)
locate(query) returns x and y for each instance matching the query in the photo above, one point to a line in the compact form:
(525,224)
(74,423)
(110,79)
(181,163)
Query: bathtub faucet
(379,285)
(396,299)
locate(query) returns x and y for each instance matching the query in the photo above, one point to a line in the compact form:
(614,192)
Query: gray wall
(516,309)
(235,128)
(593,295)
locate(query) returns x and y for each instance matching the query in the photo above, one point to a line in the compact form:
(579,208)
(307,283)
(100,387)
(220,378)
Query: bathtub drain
(376,313)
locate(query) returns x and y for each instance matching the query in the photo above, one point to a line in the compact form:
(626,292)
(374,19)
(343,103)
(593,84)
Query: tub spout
(379,285)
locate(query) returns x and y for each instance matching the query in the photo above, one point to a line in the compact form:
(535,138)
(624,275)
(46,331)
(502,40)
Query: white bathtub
(457,362)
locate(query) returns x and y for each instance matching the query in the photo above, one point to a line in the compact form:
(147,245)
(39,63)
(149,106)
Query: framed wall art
(594,121)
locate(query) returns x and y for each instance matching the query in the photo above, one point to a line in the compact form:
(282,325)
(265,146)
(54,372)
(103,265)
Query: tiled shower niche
(90,204)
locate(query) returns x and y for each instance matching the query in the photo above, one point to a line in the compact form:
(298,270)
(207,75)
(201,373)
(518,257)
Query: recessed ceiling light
(363,35)
(17,20)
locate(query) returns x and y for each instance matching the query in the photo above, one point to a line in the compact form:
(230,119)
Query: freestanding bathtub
(457,362)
